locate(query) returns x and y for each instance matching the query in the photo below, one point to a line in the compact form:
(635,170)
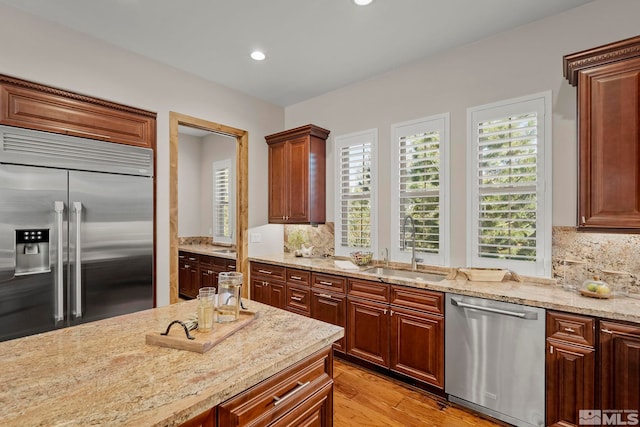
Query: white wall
(189,183)
(46,53)
(519,62)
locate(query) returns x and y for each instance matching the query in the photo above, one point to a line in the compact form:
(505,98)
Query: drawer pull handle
(192,259)
(279,400)
(296,298)
(607,331)
(327,296)
(264,271)
(326,283)
(232,266)
(570,330)
(296,277)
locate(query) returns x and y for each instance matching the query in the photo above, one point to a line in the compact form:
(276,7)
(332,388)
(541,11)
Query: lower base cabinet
(576,362)
(301,395)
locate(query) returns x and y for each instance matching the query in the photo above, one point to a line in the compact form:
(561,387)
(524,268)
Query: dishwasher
(495,358)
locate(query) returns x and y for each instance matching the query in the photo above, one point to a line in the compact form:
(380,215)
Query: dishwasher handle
(527,315)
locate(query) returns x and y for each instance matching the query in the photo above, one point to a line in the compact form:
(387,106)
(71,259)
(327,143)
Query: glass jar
(229,284)
(572,273)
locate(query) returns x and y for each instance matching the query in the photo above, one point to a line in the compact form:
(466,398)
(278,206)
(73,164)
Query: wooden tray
(203,341)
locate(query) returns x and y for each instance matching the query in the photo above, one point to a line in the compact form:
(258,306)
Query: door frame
(242,195)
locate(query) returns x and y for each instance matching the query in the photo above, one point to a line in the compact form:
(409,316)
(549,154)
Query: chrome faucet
(414,260)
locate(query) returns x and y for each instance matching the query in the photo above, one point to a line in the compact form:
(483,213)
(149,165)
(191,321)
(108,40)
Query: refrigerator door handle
(77,308)
(58,314)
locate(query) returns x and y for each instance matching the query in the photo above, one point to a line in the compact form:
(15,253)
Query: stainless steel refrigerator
(76,231)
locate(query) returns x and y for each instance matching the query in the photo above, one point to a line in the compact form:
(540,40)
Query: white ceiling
(312,46)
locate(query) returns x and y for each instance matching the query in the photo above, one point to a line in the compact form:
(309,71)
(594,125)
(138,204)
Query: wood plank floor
(364,398)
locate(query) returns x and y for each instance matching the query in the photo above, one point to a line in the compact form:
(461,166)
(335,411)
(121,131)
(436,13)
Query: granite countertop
(103,373)
(545,294)
(207,249)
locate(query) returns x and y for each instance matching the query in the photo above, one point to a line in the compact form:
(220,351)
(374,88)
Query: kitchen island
(103,373)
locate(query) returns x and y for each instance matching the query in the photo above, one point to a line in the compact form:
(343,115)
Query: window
(223,221)
(510,185)
(356,195)
(420,178)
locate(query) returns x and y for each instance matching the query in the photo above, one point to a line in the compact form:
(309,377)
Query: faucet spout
(414,260)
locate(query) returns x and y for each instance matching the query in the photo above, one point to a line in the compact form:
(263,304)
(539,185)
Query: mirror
(241,192)
(206,185)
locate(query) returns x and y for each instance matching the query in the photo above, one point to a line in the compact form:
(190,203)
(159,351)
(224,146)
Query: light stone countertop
(103,373)
(210,250)
(534,294)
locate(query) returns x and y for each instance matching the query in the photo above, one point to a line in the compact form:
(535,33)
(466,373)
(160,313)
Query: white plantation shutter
(420,179)
(355,181)
(222,187)
(510,222)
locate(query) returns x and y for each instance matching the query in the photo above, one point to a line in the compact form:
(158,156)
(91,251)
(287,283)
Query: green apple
(592,287)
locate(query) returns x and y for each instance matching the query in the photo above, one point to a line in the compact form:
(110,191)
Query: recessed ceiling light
(362,2)
(257,55)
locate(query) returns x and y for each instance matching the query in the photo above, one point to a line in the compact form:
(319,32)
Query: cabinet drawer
(375,291)
(273,398)
(571,328)
(213,262)
(298,277)
(329,282)
(298,299)
(418,299)
(273,272)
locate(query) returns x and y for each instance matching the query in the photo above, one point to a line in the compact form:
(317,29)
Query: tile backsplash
(599,251)
(608,251)
(320,237)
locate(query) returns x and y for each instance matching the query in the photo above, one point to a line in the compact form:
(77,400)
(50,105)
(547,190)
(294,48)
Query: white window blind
(420,180)
(223,221)
(355,198)
(510,222)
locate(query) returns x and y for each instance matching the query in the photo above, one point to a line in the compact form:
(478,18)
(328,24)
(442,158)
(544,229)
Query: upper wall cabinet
(33,106)
(297,176)
(608,81)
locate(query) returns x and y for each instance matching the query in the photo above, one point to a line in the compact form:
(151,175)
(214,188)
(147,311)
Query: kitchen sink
(407,274)
(225,251)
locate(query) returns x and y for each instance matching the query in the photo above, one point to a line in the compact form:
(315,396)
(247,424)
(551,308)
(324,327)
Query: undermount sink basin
(407,274)
(225,251)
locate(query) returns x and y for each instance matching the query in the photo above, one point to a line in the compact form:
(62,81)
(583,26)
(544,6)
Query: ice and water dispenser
(32,252)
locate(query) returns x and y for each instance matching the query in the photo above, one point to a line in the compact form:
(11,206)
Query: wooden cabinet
(608,81)
(417,334)
(329,302)
(268,284)
(368,334)
(188,274)
(398,328)
(297,187)
(619,365)
(299,395)
(298,299)
(197,271)
(571,367)
(205,419)
(33,106)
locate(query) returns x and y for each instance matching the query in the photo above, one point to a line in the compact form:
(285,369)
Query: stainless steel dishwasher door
(495,358)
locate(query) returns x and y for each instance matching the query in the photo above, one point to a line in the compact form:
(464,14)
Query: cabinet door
(278,179)
(570,382)
(277,295)
(609,146)
(417,345)
(260,291)
(620,365)
(368,332)
(330,308)
(298,170)
(206,419)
